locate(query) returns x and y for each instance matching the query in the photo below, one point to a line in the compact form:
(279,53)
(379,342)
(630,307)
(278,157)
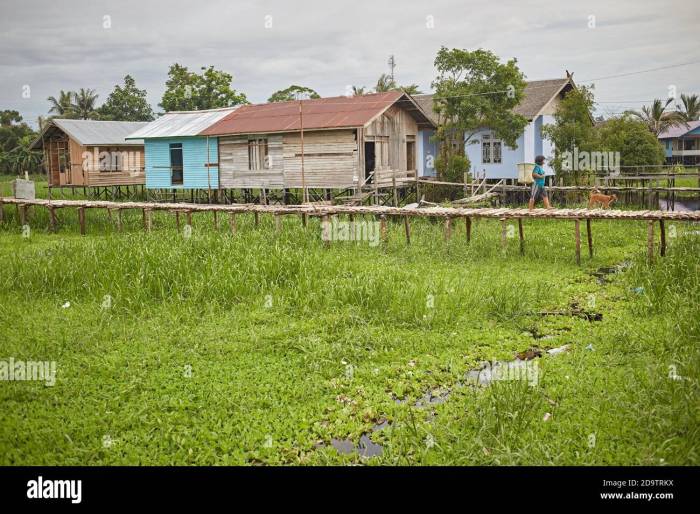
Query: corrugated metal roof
(183,123)
(93,132)
(320,113)
(537,95)
(679,130)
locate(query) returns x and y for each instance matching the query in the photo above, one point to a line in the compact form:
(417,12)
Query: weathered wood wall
(234,169)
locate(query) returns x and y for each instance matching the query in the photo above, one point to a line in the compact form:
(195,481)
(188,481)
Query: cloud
(268,45)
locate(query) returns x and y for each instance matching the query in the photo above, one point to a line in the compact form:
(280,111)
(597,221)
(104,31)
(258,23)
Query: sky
(267,45)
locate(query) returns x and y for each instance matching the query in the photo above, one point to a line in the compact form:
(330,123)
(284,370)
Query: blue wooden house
(491,157)
(682,143)
(176,155)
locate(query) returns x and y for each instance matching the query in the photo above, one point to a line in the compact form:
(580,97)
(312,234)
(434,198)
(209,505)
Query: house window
(491,150)
(486,149)
(257,154)
(496,152)
(176,174)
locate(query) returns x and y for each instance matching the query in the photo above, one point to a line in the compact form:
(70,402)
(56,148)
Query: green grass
(271,323)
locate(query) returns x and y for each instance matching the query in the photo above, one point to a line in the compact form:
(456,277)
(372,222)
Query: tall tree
(690,107)
(84,104)
(15,138)
(359,90)
(473,90)
(572,129)
(657,118)
(62,107)
(630,137)
(385,83)
(293,92)
(189,91)
(127,103)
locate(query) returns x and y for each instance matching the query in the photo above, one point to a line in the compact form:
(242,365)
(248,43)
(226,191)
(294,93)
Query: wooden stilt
(304,220)
(23,215)
(232,222)
(577,235)
(589,236)
(257,219)
(177,220)
(468,222)
(81,220)
(382,227)
(325,230)
(216,220)
(278,222)
(662,228)
(109,215)
(521,233)
(407,227)
(189,218)
(650,241)
(448,228)
(119,220)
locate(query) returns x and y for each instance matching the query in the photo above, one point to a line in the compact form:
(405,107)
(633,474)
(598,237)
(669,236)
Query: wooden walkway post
(189,218)
(504,234)
(468,222)
(52,218)
(81,220)
(577,234)
(521,233)
(407,227)
(119,220)
(23,215)
(257,219)
(589,236)
(304,220)
(650,241)
(147,220)
(177,220)
(232,222)
(2,211)
(448,228)
(326,230)
(662,228)
(278,222)
(382,227)
(216,220)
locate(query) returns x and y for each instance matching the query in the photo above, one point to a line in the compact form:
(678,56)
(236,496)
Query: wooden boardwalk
(448,214)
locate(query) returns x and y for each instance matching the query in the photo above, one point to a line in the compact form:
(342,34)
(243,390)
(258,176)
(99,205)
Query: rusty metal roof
(320,113)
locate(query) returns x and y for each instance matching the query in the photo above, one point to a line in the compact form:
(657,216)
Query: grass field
(269,348)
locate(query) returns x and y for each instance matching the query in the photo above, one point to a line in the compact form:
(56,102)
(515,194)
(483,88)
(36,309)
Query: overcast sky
(54,45)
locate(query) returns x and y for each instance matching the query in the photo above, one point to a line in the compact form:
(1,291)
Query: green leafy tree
(690,107)
(632,139)
(293,92)
(473,90)
(572,129)
(15,138)
(127,103)
(84,106)
(189,91)
(657,118)
(385,83)
(62,107)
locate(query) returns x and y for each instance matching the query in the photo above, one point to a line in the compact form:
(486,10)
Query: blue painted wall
(194,159)
(525,151)
(427,153)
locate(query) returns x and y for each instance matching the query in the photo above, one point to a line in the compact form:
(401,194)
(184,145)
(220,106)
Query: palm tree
(412,89)
(691,107)
(63,106)
(656,117)
(21,158)
(84,107)
(358,91)
(385,83)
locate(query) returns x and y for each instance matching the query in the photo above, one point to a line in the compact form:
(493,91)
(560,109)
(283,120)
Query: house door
(369,159)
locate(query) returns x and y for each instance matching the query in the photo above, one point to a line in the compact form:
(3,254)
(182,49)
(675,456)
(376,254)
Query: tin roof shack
(346,142)
(177,156)
(90,153)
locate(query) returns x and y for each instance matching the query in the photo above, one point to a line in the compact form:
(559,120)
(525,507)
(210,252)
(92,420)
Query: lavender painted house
(489,156)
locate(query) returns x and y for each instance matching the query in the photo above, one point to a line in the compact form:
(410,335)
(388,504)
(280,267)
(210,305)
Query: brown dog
(598,198)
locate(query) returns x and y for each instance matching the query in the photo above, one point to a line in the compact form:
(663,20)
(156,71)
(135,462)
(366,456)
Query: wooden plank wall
(233,163)
(395,123)
(330,159)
